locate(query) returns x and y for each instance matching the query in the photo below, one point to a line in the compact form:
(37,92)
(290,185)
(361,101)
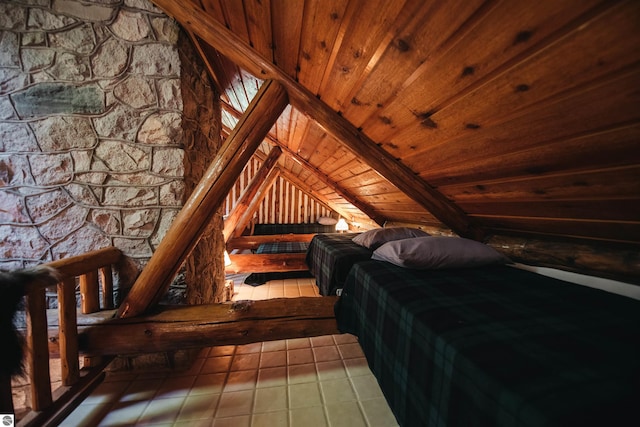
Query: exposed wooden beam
(193,219)
(208,325)
(266,263)
(253,242)
(250,193)
(193,18)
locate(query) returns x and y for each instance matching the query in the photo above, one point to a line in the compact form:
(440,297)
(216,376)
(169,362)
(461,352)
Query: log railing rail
(47,407)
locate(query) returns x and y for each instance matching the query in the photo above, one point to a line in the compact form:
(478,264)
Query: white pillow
(438,253)
(373,239)
(327,220)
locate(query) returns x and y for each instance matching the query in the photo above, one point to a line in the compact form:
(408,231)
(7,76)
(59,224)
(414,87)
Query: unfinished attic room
(316,213)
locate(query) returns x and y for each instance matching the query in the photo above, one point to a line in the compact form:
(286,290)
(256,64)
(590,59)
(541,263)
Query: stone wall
(94,124)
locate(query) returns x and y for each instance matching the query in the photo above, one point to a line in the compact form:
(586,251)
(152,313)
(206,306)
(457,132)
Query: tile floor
(319,381)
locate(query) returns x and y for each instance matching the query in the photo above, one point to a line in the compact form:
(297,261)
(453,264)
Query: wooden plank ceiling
(524,119)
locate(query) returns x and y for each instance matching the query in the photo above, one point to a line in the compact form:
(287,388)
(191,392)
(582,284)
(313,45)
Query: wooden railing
(91,270)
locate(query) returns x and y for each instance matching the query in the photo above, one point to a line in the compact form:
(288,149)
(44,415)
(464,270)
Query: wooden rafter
(233,47)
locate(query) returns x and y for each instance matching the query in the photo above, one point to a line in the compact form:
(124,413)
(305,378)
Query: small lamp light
(342,226)
(227,260)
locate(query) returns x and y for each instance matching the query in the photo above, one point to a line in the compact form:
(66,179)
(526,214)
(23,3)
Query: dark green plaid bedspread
(282,248)
(495,346)
(330,257)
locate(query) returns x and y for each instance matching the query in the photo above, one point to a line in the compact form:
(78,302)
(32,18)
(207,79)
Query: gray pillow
(438,253)
(373,239)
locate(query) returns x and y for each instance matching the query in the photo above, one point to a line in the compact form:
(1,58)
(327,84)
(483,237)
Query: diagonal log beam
(249,194)
(194,19)
(193,219)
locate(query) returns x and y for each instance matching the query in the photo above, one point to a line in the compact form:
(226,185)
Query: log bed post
(250,192)
(187,228)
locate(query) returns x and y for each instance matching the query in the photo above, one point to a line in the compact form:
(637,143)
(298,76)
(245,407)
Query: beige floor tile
(278,345)
(107,392)
(125,413)
(241,380)
(161,411)
(270,419)
(296,343)
(366,387)
(141,390)
(300,356)
(345,339)
(378,413)
(209,384)
(273,358)
(322,340)
(198,407)
(175,387)
(345,414)
(308,417)
(350,351)
(298,374)
(357,367)
(87,415)
(331,370)
(245,361)
(326,353)
(249,348)
(240,421)
(337,391)
(235,403)
(304,395)
(270,399)
(272,377)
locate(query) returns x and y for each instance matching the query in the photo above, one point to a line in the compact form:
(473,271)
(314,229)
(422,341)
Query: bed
(494,346)
(278,248)
(331,256)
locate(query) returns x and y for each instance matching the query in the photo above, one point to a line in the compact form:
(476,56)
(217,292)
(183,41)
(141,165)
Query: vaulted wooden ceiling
(488,117)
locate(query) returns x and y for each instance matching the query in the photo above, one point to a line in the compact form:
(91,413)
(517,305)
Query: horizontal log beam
(252,242)
(266,263)
(208,325)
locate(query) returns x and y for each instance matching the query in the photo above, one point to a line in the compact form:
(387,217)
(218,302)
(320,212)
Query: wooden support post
(106,277)
(193,219)
(68,332)
(89,292)
(250,192)
(38,349)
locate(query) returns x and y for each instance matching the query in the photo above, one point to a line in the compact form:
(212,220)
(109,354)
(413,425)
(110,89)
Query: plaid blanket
(330,257)
(282,247)
(495,346)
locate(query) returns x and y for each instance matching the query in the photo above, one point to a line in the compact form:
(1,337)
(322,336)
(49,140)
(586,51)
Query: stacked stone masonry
(95,133)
